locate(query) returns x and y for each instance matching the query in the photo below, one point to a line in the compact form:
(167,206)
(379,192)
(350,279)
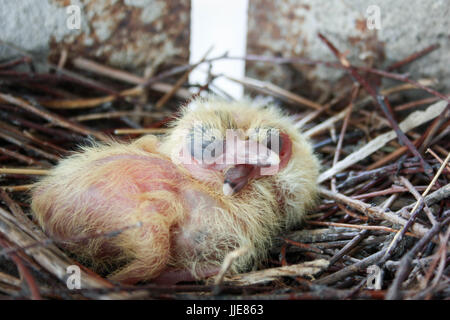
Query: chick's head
(238,147)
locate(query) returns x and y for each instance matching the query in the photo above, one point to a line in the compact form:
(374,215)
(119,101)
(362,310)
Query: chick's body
(187,222)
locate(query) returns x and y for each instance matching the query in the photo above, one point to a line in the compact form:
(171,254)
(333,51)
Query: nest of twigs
(380,231)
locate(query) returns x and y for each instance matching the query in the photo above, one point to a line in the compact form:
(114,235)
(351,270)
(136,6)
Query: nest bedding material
(384,183)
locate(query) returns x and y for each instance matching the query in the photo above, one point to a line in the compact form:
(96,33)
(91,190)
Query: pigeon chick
(227,175)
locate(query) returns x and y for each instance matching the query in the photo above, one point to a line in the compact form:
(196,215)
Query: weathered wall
(131,34)
(289,28)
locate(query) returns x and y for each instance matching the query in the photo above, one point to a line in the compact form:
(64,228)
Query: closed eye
(205,142)
(269,137)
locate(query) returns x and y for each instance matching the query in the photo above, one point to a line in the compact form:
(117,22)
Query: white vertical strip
(223,25)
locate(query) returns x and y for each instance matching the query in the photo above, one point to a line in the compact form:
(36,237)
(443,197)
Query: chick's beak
(246,158)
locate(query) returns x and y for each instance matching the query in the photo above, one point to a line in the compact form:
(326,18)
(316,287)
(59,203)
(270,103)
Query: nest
(380,231)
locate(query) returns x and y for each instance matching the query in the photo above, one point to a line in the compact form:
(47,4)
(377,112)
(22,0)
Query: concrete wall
(289,28)
(134,34)
(130,34)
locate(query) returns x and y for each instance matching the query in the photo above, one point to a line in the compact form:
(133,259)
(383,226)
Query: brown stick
(89,102)
(54,118)
(418,197)
(416,103)
(381,101)
(341,274)
(413,120)
(437,157)
(160,103)
(372,211)
(414,212)
(385,74)
(25,273)
(390,157)
(394,292)
(127,77)
(119,114)
(24,171)
(349,246)
(349,109)
(287,95)
(20,188)
(413,57)
(356,226)
(18,156)
(141,131)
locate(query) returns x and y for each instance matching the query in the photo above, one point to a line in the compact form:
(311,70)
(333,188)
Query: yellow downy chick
(227,175)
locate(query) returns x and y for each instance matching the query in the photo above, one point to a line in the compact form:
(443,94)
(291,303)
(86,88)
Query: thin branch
(372,211)
(415,119)
(394,292)
(382,102)
(54,118)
